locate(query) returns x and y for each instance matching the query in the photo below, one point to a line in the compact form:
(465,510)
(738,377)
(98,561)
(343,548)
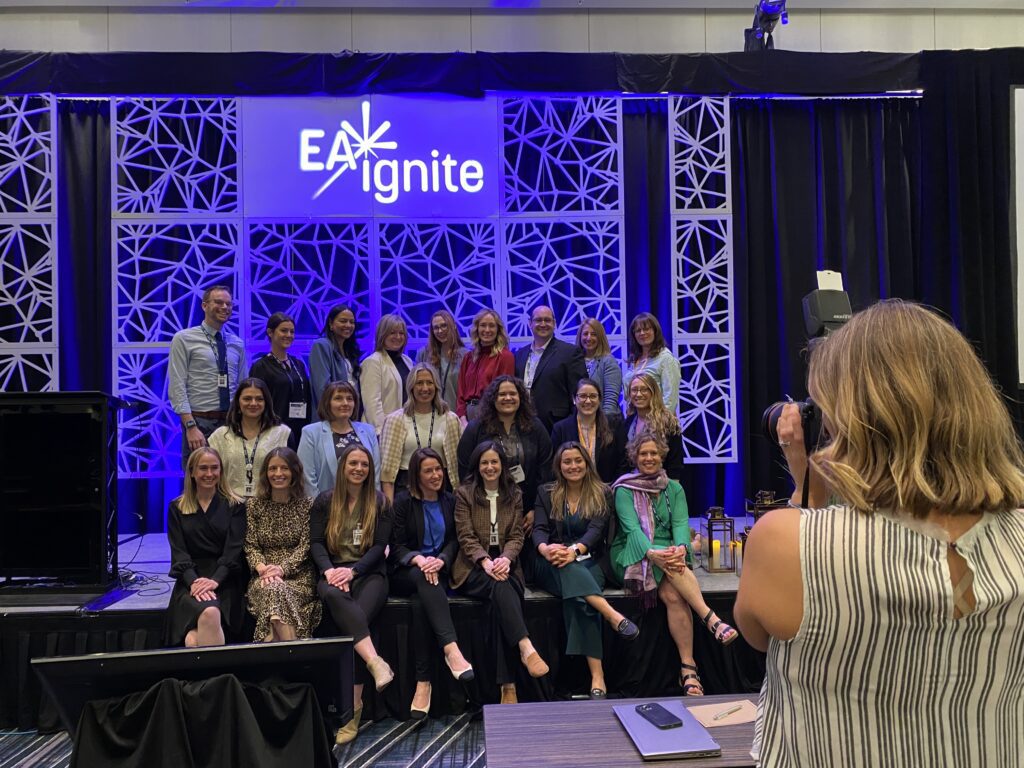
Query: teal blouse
(671,527)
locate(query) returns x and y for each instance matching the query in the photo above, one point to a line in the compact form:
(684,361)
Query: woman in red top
(489,358)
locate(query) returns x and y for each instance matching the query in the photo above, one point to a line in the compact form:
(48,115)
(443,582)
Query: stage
(131,618)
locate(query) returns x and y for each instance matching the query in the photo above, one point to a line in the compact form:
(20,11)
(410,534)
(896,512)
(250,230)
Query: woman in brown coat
(489,522)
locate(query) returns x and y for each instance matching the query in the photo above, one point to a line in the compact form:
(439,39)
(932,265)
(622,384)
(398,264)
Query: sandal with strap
(689,672)
(722,632)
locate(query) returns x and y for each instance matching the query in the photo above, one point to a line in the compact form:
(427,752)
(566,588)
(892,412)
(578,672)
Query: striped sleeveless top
(880,673)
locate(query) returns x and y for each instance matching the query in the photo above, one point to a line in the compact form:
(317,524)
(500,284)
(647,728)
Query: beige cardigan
(392,443)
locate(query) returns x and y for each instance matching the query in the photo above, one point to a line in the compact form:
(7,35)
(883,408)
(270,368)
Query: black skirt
(183,610)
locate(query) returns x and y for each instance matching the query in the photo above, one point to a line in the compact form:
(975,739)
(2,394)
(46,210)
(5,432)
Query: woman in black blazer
(507,417)
(569,534)
(423,547)
(604,442)
(646,412)
(349,529)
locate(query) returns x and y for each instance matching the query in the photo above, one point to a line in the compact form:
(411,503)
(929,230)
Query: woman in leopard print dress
(282,593)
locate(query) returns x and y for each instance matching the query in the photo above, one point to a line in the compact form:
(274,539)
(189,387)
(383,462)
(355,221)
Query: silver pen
(727,712)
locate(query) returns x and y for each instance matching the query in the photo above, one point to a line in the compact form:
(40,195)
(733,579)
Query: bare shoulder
(777,535)
(770,598)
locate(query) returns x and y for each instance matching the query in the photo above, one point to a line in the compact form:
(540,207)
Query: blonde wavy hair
(501,341)
(658,418)
(916,422)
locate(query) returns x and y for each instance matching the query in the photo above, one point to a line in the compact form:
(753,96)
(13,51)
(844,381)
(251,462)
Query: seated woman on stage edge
(651,552)
(282,593)
(205,530)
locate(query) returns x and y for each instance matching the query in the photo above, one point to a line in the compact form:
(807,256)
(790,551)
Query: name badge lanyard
(250,460)
(222,362)
(493,542)
(416,430)
(445,370)
(587,445)
(289,368)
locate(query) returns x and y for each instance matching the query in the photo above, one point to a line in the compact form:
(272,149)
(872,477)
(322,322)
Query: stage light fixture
(767,13)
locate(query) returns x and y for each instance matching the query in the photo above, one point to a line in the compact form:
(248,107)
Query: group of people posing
(469,472)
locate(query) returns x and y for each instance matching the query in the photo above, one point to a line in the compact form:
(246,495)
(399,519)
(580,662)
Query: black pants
(206,426)
(431,616)
(505,599)
(353,611)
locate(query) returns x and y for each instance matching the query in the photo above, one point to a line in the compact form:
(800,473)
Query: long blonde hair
(188,502)
(593,502)
(438,404)
(659,418)
(369,504)
(915,421)
(501,340)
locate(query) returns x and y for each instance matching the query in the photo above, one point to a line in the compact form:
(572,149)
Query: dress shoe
(508,695)
(416,713)
(381,671)
(535,665)
(349,730)
(627,630)
(462,675)
(598,693)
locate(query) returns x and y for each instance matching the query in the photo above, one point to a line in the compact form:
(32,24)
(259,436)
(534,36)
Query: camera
(810,420)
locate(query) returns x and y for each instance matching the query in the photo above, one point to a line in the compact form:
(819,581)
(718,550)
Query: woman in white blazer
(383,375)
(324,441)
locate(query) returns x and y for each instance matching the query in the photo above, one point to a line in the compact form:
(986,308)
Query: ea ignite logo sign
(409,156)
(386,178)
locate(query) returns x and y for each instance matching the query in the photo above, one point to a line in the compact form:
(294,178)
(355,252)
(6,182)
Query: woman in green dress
(572,514)
(651,552)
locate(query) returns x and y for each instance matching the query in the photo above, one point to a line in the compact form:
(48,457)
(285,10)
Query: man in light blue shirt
(206,364)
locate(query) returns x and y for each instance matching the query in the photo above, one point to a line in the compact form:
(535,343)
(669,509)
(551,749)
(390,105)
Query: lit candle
(739,556)
(716,547)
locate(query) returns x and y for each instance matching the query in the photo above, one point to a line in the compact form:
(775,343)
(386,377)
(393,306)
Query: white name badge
(296,410)
(357,537)
(250,490)
(222,380)
(517,473)
(494,539)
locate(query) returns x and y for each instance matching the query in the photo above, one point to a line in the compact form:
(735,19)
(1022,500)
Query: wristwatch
(190,423)
(575,551)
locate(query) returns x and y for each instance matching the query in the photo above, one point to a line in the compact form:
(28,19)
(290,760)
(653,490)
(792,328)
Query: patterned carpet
(450,742)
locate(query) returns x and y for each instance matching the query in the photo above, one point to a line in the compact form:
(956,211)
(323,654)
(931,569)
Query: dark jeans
(431,616)
(207,427)
(505,599)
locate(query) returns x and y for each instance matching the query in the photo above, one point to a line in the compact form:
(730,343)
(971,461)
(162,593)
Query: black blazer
(610,459)
(673,463)
(536,456)
(549,531)
(407,532)
(372,560)
(554,382)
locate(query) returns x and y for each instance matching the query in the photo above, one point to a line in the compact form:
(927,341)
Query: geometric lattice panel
(700,144)
(150,434)
(304,269)
(175,155)
(562,155)
(27,370)
(703,332)
(26,154)
(27,283)
(162,270)
(706,402)
(426,266)
(703,275)
(572,265)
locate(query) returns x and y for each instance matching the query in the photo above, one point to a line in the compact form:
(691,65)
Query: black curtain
(817,184)
(83,234)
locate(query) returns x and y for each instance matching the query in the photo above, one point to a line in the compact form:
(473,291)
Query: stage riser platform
(647,667)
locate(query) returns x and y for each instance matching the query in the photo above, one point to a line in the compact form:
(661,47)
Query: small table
(575,733)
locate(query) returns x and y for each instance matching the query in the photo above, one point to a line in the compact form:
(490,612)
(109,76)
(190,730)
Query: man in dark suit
(550,368)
